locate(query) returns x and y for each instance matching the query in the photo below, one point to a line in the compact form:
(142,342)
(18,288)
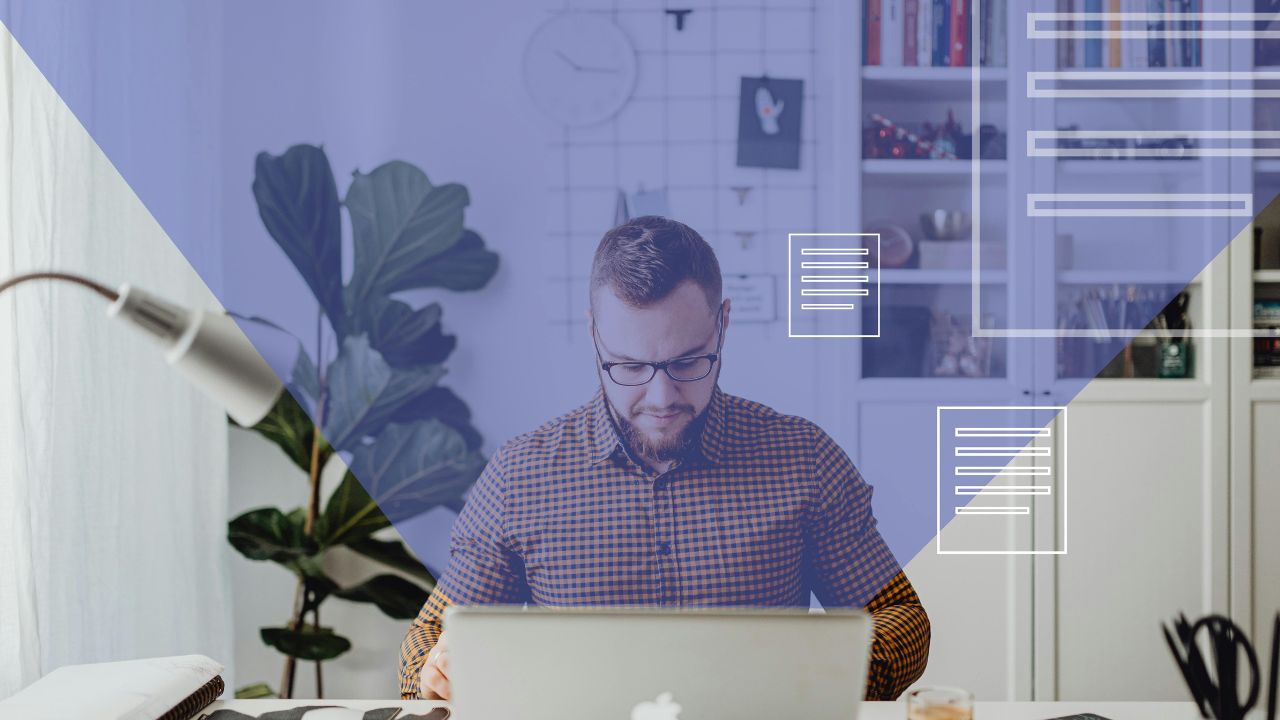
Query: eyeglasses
(681,369)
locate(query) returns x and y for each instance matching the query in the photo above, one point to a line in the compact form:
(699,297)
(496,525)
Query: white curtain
(113,471)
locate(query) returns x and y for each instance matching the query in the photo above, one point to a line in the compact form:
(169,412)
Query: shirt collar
(604,433)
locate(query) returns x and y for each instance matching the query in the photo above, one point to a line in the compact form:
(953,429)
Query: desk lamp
(206,347)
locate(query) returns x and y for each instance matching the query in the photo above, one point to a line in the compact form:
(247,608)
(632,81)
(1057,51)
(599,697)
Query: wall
(112,467)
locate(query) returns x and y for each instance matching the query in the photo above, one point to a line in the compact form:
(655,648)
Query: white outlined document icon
(833,285)
(1002,480)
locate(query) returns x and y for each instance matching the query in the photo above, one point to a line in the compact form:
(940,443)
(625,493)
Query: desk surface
(870,711)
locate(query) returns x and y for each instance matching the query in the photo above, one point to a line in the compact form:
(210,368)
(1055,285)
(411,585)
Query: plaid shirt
(766,511)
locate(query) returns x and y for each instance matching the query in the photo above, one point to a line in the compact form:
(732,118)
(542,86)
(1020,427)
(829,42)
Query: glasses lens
(631,373)
(687,369)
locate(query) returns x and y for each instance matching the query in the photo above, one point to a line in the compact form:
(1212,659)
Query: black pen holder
(1221,668)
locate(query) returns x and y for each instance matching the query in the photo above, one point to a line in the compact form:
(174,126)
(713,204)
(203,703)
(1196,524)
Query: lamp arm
(207,347)
(102,290)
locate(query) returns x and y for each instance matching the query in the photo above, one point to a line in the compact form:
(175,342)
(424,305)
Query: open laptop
(605,664)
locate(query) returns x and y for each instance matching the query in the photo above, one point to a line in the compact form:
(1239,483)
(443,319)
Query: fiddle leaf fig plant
(377,404)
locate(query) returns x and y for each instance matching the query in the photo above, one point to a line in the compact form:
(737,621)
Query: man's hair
(644,259)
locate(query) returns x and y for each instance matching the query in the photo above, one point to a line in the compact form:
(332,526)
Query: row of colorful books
(1159,49)
(936,33)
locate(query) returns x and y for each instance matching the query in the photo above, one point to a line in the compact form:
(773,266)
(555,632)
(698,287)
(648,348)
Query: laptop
(631,664)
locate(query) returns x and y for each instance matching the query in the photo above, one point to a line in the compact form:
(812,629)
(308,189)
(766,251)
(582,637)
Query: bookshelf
(1181,422)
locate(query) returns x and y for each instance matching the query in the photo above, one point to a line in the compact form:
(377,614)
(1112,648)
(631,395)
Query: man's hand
(435,673)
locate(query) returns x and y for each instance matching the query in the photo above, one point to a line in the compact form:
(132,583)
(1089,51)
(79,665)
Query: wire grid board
(679,131)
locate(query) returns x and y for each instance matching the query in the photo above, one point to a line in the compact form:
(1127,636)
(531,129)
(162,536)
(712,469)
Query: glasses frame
(607,366)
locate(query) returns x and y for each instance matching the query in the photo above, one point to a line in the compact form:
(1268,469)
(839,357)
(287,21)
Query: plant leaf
(444,405)
(394,554)
(256,691)
(307,643)
(465,266)
(306,377)
(365,392)
(298,202)
(356,378)
(268,534)
(399,222)
(410,469)
(396,597)
(291,429)
(406,337)
(351,514)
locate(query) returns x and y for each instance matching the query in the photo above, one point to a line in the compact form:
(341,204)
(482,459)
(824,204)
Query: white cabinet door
(1148,540)
(1266,519)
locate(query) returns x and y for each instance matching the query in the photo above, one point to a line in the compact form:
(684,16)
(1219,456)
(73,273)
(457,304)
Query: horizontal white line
(1107,77)
(835,251)
(833,278)
(1035,149)
(1003,490)
(827,306)
(851,265)
(1167,20)
(1105,204)
(993,511)
(962,470)
(1001,432)
(1002,452)
(835,292)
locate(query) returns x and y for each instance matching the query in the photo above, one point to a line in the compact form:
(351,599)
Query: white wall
(463,115)
(112,467)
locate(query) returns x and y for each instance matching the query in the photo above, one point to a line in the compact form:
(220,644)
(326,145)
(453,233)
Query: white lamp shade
(209,349)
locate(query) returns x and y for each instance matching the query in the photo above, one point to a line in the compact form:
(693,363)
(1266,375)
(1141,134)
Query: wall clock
(579,68)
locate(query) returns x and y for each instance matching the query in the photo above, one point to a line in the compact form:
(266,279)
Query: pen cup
(939,703)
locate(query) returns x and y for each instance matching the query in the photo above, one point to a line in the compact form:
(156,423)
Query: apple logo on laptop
(661,708)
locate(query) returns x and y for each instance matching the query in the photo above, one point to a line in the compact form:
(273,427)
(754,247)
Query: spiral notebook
(170,688)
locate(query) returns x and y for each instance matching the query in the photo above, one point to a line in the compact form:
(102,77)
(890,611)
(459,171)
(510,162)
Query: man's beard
(664,449)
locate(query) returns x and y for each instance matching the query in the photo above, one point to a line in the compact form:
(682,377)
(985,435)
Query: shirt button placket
(664,545)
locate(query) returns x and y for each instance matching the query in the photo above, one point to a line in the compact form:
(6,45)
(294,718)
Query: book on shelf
(934,33)
(1266,313)
(1104,46)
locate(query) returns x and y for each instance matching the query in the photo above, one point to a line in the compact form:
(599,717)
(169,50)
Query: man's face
(657,419)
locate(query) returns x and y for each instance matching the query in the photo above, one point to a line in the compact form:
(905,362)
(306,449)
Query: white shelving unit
(1168,495)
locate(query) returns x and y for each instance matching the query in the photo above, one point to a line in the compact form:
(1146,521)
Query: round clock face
(579,68)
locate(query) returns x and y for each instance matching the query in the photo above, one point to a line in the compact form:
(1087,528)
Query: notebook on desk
(171,688)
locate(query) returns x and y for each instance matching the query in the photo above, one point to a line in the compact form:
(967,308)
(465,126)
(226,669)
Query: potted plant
(375,400)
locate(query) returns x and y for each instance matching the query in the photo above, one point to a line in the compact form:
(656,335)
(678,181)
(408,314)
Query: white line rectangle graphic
(1229,143)
(1158,205)
(821,283)
(848,265)
(1002,484)
(1002,452)
(1002,432)
(969,510)
(1171,29)
(1182,84)
(832,251)
(1004,489)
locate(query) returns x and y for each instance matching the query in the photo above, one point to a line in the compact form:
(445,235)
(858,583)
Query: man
(665,491)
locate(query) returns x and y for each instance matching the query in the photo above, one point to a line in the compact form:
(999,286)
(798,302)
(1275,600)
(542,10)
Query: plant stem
(299,606)
(290,662)
(313,500)
(315,617)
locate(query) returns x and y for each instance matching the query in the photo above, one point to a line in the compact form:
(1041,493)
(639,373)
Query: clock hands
(585,68)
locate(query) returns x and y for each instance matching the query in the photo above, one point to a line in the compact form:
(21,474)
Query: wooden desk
(871,710)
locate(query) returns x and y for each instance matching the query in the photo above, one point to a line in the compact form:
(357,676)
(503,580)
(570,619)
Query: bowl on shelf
(945,224)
